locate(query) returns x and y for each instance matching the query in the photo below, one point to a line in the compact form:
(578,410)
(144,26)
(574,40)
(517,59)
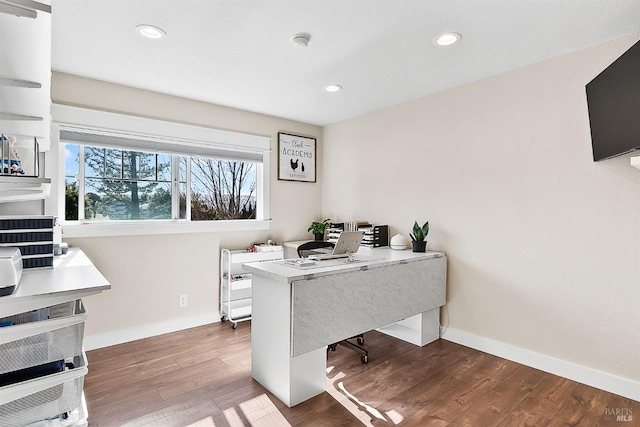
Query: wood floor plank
(201,377)
(547,398)
(159,345)
(523,418)
(114,377)
(191,415)
(494,370)
(383,390)
(228,352)
(158,409)
(487,371)
(203,374)
(585,406)
(621,411)
(499,402)
(106,407)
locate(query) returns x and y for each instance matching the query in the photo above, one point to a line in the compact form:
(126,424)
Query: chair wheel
(364,358)
(234,326)
(360,340)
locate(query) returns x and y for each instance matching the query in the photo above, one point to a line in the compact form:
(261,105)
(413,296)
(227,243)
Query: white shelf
(21,117)
(30,329)
(241,257)
(25,87)
(19,83)
(237,285)
(25,81)
(238,309)
(23,188)
(67,383)
(73,277)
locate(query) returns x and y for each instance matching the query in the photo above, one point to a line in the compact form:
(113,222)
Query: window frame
(178,135)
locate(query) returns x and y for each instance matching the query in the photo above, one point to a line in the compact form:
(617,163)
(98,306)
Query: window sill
(136,228)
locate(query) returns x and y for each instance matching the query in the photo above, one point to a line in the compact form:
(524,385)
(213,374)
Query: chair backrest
(307,248)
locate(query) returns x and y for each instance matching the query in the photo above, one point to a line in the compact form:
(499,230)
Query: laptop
(347,244)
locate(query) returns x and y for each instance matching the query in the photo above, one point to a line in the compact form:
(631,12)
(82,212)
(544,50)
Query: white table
(73,277)
(298,311)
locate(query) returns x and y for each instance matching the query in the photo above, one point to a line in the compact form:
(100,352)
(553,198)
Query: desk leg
(291,379)
(308,376)
(420,329)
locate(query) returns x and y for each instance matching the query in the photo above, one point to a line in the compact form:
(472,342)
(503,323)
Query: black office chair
(310,248)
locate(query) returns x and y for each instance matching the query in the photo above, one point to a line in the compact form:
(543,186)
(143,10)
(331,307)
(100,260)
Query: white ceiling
(238,53)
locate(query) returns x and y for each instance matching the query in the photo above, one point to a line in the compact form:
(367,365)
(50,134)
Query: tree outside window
(135,185)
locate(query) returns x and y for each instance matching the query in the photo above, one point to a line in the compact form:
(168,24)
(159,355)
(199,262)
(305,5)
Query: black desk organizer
(375,236)
(33,235)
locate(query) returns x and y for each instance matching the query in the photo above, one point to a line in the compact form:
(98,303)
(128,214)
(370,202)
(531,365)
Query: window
(117,184)
(186,175)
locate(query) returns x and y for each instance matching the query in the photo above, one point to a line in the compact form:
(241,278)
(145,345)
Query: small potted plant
(318,228)
(418,237)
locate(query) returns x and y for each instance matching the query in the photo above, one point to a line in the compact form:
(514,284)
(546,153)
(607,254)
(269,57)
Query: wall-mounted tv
(613,97)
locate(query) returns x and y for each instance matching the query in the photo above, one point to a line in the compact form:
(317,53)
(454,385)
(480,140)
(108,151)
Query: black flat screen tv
(613,97)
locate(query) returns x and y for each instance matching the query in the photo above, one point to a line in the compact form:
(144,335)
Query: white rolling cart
(235,283)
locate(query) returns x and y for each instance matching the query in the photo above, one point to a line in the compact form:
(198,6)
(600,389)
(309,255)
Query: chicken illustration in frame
(296,158)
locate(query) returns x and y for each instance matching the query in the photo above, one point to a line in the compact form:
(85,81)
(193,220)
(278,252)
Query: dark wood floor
(202,377)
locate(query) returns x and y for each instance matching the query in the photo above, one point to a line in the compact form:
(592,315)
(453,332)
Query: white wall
(543,244)
(148,273)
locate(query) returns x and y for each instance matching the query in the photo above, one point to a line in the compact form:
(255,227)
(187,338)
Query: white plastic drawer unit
(45,397)
(31,342)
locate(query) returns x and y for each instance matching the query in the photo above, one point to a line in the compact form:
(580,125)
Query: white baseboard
(92,342)
(602,380)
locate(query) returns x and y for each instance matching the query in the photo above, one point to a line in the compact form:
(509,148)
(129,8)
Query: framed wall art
(296,158)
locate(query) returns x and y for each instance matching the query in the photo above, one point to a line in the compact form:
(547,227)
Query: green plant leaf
(319,227)
(419,233)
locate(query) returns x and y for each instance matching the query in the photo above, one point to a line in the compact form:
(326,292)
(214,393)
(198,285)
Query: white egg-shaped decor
(399,242)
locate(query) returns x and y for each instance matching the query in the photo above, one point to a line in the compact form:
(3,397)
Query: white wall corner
(602,380)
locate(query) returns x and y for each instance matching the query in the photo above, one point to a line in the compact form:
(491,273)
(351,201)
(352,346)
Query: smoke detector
(301,39)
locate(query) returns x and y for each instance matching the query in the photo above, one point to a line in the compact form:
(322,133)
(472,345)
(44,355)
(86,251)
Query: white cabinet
(25,97)
(235,283)
(42,331)
(291,248)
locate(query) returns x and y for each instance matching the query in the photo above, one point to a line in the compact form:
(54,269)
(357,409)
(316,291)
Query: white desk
(298,311)
(73,277)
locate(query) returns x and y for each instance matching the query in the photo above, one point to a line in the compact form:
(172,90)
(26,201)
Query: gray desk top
(365,258)
(73,276)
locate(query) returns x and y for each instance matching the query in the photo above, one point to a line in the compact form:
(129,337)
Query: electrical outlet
(183,300)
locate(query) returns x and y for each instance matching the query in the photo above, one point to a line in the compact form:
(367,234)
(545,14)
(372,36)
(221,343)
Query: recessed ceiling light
(150,31)
(333,88)
(447,39)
